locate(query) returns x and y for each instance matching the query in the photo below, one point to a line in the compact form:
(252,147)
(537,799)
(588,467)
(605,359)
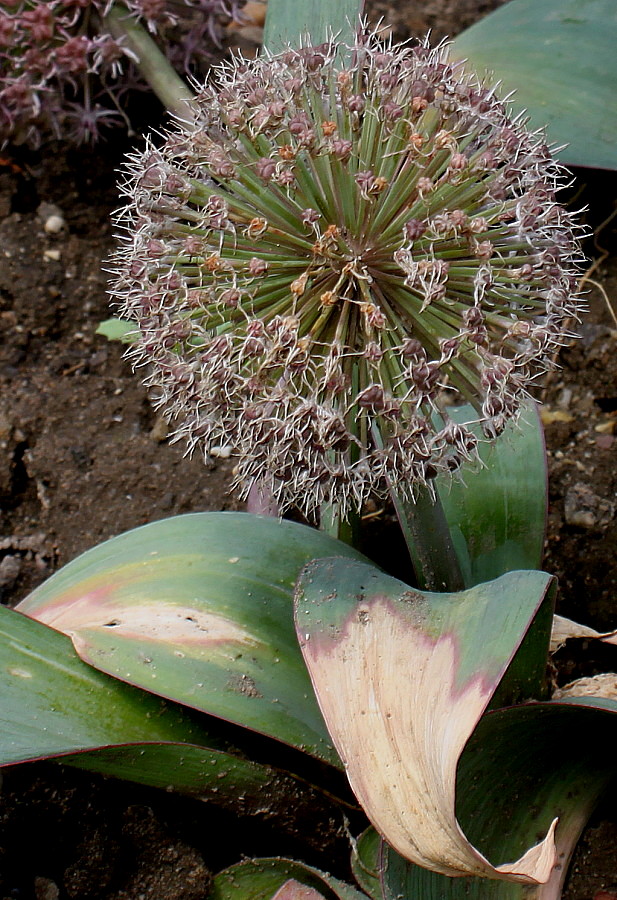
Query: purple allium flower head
(62,73)
(332,255)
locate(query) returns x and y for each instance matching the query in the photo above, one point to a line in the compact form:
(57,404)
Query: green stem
(346,530)
(153,65)
(427,535)
(429,541)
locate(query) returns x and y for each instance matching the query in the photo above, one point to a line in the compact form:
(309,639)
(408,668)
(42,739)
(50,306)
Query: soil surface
(83,456)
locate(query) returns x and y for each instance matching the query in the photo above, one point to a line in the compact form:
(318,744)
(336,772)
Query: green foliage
(117,330)
(260,879)
(559,58)
(197,609)
(97,722)
(496,513)
(185,623)
(315,20)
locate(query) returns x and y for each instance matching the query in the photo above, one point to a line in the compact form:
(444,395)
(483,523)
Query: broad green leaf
(118,330)
(402,678)
(248,788)
(54,705)
(315,21)
(521,767)
(559,56)
(366,864)
(497,513)
(261,879)
(198,609)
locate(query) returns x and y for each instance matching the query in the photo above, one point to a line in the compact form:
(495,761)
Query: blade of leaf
(260,879)
(218,778)
(289,22)
(118,330)
(198,609)
(96,722)
(402,686)
(365,863)
(521,767)
(70,705)
(559,56)
(497,513)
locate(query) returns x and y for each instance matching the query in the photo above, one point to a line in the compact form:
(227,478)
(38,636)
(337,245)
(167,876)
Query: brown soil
(83,456)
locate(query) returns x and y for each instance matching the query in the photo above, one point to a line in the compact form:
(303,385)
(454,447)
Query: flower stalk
(153,65)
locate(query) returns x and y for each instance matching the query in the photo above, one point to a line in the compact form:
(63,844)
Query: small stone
(221,451)
(607,427)
(52,255)
(565,398)
(584,509)
(45,889)
(54,224)
(605,441)
(10,567)
(549,416)
(160,430)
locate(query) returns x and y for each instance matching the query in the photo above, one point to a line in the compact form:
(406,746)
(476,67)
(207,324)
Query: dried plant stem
(153,65)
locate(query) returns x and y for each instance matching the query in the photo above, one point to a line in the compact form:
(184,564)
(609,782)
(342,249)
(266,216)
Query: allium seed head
(315,284)
(63,73)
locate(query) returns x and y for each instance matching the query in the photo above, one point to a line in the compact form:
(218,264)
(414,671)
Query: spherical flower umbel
(339,248)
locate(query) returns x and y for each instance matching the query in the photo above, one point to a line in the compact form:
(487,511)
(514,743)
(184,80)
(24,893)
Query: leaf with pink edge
(402,684)
(264,879)
(54,706)
(198,609)
(522,767)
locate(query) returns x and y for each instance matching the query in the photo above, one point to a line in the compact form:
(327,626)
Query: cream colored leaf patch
(158,621)
(400,720)
(294,890)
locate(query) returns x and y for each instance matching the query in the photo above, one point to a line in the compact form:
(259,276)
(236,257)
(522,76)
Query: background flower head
(343,245)
(64,74)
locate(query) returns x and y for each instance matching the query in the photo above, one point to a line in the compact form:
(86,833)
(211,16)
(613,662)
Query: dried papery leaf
(402,684)
(564,629)
(603,685)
